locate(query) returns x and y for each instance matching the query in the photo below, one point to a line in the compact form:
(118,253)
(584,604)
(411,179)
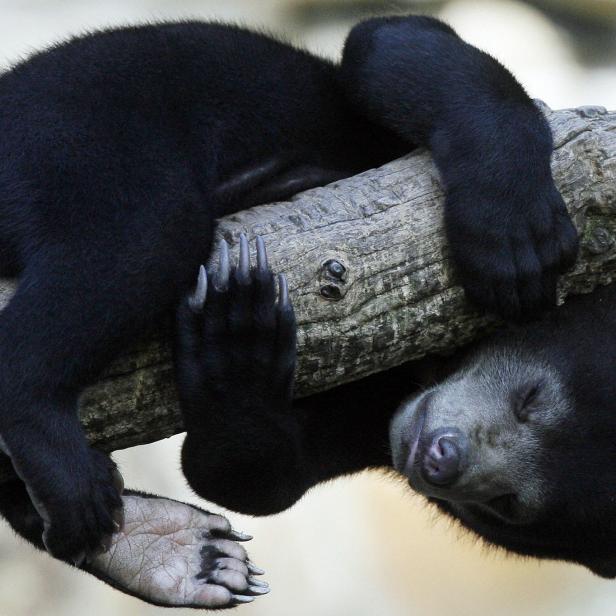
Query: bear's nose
(442,457)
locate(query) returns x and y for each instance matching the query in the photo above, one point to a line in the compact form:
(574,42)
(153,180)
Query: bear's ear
(606,568)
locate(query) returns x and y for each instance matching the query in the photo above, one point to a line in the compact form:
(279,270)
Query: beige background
(363,545)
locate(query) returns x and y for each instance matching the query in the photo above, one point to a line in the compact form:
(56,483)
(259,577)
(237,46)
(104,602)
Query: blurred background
(363,545)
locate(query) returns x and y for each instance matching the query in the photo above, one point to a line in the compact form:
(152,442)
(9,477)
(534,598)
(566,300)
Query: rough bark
(397,298)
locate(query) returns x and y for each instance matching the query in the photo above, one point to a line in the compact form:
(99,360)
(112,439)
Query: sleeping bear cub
(519,441)
(119,151)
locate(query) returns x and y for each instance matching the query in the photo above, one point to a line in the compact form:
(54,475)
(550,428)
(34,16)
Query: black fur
(118,151)
(576,520)
(252,449)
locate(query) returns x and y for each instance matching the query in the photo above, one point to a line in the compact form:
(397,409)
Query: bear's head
(518,443)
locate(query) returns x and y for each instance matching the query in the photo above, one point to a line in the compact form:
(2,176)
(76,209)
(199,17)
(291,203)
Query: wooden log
(370,276)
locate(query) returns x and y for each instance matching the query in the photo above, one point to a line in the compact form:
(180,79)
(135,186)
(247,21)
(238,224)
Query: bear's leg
(249,446)
(48,343)
(235,361)
(78,304)
(167,553)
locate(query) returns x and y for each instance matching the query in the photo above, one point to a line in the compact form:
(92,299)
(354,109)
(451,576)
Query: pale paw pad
(171,553)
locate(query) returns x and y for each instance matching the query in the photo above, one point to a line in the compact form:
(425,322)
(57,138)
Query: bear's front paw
(510,252)
(76,491)
(236,338)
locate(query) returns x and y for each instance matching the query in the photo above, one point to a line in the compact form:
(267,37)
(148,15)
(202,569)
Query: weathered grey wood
(397,300)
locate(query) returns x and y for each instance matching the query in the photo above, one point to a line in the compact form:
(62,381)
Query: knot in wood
(331,292)
(334,276)
(600,241)
(335,269)
(590,111)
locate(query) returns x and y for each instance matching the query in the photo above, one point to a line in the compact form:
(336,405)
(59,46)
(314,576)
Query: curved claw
(221,281)
(40,509)
(283,292)
(254,570)
(259,583)
(118,480)
(262,266)
(197,300)
(242,599)
(258,590)
(243,266)
(238,536)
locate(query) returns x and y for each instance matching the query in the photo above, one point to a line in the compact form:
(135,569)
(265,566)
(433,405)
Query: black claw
(222,275)
(243,267)
(197,299)
(40,509)
(118,480)
(44,537)
(262,266)
(283,292)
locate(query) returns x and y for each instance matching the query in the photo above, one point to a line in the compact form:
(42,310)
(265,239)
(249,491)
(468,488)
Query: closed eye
(526,400)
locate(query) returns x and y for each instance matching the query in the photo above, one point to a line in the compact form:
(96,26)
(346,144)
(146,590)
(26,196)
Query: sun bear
(120,149)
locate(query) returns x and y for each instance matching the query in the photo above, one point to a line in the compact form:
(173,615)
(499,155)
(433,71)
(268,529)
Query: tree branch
(391,298)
